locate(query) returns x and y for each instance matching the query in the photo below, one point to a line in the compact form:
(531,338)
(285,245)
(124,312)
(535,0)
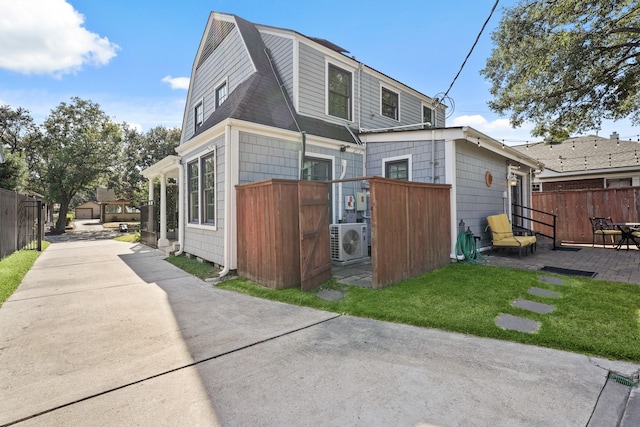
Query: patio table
(627,229)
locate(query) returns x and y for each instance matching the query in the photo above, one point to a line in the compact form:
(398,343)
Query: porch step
(171,249)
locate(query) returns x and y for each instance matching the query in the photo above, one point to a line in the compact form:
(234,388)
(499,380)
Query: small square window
(389,106)
(397,169)
(221,94)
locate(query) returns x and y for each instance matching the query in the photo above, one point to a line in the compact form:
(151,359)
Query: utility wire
(471,50)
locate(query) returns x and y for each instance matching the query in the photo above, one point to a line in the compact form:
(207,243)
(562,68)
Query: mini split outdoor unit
(348,241)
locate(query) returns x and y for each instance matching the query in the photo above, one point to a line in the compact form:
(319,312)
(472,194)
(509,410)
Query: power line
(471,50)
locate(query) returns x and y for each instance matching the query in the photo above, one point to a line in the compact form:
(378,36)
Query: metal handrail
(553,224)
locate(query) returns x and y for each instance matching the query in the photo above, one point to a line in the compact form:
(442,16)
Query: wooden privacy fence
(21,222)
(410,229)
(574,208)
(283,231)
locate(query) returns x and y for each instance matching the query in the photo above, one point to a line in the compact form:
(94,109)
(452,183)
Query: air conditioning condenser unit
(348,241)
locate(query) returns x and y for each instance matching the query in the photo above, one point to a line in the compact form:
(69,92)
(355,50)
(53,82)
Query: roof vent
(614,135)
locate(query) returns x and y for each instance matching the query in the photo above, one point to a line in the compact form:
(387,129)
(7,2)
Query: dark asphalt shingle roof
(570,154)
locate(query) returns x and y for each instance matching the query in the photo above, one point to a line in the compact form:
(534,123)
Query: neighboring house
(268,102)
(88,210)
(585,163)
(113,209)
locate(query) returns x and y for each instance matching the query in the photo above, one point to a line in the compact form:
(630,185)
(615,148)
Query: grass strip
(128,238)
(593,317)
(14,267)
(203,270)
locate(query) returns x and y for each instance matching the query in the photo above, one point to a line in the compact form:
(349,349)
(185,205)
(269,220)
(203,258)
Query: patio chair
(502,235)
(601,226)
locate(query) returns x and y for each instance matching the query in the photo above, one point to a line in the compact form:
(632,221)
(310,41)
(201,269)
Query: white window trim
(349,69)
(333,174)
(397,92)
(224,81)
(200,102)
(407,157)
(211,150)
(433,113)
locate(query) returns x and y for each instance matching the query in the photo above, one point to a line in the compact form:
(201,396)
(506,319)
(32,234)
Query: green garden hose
(466,245)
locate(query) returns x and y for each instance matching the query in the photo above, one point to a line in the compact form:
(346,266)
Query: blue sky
(130,56)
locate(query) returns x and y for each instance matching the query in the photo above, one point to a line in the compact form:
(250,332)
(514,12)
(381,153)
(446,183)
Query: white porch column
(163,241)
(150,191)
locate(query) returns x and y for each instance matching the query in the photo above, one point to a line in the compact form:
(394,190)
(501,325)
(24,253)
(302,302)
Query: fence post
(39,213)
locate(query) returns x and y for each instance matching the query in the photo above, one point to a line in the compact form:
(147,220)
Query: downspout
(343,164)
(360,95)
(228,188)
(181,210)
(304,149)
(433,155)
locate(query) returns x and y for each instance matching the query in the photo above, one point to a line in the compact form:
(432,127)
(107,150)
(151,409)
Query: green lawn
(128,238)
(592,317)
(13,269)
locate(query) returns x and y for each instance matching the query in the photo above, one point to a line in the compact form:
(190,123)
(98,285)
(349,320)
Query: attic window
(389,104)
(427,115)
(221,94)
(198,114)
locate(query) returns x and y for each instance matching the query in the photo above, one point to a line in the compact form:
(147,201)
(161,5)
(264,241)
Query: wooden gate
(283,233)
(315,252)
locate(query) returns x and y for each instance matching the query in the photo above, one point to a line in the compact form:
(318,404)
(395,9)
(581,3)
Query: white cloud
(498,129)
(177,82)
(48,37)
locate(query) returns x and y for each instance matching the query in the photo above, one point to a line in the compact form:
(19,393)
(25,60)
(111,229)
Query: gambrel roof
(262,99)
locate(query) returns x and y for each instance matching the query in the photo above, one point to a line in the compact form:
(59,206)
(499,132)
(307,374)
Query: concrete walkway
(107,333)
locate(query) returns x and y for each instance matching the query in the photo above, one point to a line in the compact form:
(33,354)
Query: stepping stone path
(544,293)
(330,295)
(522,324)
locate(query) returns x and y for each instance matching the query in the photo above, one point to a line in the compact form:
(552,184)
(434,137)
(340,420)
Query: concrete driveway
(107,333)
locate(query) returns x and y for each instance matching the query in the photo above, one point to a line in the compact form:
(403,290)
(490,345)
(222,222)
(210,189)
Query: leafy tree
(15,127)
(566,65)
(138,152)
(16,130)
(13,172)
(78,146)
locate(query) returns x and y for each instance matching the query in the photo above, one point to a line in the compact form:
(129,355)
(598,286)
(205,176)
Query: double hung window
(428,116)
(198,115)
(339,92)
(221,94)
(201,179)
(389,104)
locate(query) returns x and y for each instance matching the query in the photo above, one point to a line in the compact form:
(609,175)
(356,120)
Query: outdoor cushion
(500,227)
(608,232)
(516,241)
(502,234)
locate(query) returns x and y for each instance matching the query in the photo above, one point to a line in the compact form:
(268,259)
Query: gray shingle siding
(205,242)
(264,158)
(281,50)
(474,199)
(421,161)
(311,82)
